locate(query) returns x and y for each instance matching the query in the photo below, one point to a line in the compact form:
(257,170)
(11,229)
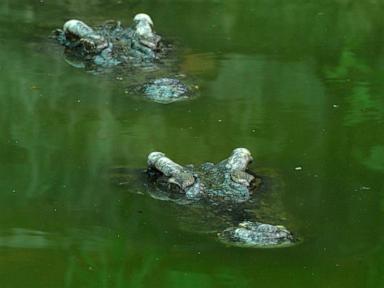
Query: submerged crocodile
(226,196)
(136,50)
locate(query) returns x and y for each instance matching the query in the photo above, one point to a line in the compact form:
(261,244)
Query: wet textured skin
(135,50)
(166,90)
(111,41)
(226,190)
(256,234)
(225,181)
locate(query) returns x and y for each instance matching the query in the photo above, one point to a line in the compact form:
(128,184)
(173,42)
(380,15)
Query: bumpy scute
(135,50)
(227,184)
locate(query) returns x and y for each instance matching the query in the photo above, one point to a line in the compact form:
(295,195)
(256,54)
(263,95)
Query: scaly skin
(176,173)
(142,44)
(136,50)
(225,184)
(166,90)
(227,180)
(255,234)
(76,31)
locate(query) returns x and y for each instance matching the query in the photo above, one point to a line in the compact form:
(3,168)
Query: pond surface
(299,83)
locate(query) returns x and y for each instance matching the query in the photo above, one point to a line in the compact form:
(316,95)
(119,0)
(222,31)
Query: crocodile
(229,199)
(137,52)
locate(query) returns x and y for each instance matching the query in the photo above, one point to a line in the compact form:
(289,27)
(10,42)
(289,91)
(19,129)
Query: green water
(299,83)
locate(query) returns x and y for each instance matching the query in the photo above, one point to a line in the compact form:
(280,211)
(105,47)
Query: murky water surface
(299,83)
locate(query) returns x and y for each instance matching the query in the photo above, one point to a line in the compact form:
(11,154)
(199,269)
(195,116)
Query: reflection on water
(24,238)
(299,84)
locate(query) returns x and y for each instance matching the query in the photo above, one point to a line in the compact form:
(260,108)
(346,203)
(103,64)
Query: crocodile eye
(88,45)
